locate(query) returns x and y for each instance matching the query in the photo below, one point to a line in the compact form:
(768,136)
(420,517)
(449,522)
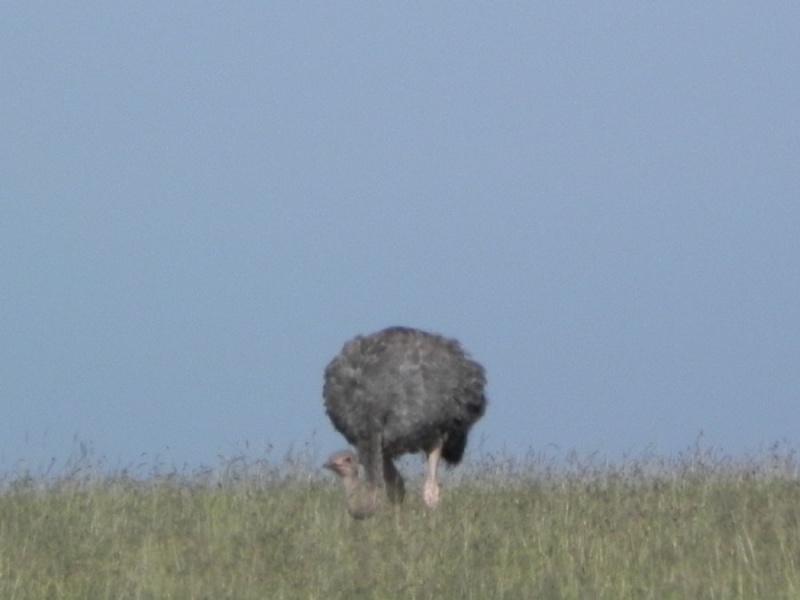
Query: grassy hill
(693,527)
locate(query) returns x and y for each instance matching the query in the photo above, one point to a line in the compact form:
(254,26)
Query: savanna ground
(696,526)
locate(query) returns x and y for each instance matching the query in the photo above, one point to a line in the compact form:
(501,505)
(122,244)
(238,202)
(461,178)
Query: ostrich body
(397,391)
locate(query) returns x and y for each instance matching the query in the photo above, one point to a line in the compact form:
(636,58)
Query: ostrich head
(344,463)
(361,499)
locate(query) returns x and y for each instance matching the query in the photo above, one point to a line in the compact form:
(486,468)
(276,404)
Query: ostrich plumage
(397,391)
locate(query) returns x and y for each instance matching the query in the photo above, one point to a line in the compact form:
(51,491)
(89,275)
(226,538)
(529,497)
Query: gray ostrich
(397,391)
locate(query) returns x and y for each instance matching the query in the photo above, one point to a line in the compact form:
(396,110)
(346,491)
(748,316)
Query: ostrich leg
(430,491)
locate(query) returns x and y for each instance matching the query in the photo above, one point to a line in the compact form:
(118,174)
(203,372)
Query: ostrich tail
(453,448)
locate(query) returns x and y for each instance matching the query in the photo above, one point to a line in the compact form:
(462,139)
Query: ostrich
(397,391)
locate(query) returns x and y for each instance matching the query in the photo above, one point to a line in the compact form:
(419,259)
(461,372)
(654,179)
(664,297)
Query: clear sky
(201,202)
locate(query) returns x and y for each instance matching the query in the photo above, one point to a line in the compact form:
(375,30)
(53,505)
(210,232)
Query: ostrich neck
(360,498)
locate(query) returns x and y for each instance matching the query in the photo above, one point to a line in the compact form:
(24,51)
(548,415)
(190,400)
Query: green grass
(695,527)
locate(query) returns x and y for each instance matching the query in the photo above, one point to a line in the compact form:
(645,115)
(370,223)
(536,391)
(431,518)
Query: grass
(698,526)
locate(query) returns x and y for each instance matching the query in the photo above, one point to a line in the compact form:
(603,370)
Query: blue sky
(200,203)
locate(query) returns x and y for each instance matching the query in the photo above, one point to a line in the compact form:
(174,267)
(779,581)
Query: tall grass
(699,526)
